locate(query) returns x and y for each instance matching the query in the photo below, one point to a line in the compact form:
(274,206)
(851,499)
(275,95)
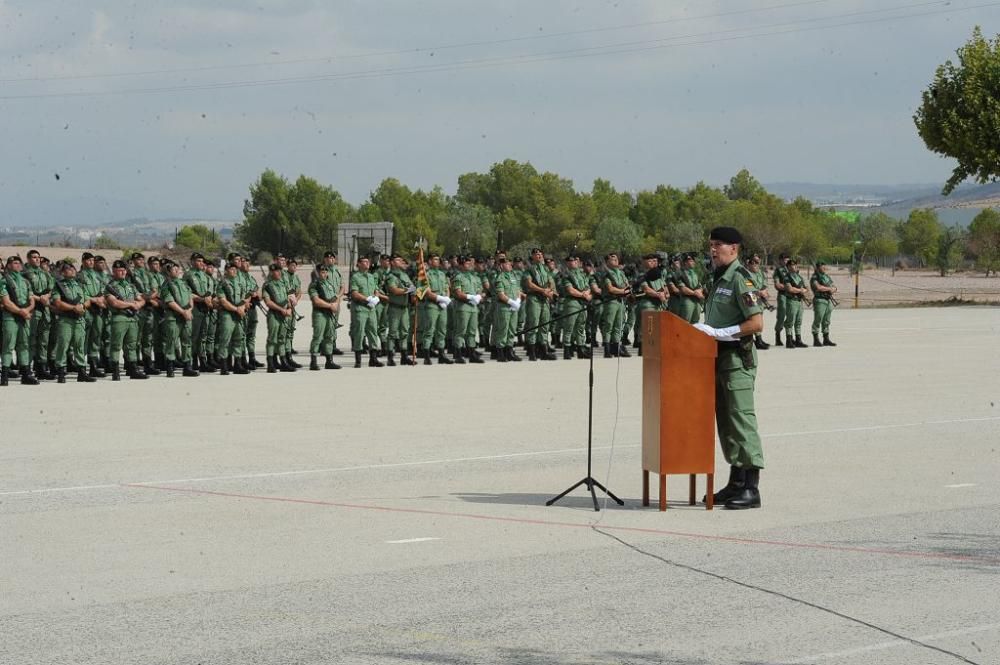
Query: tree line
(514,206)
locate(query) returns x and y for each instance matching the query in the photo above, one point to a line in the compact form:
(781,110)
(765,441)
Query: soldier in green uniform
(795,290)
(365,300)
(432,313)
(522,313)
(575,297)
(596,302)
(279,310)
(199,283)
(466,288)
(780,277)
(211,324)
(93,289)
(399,287)
(103,274)
(156,278)
(753,264)
(231,301)
(507,290)
(672,280)
(71,303)
(143,282)
(124,302)
(337,284)
(41,284)
(733,314)
(178,317)
(616,288)
(692,295)
(553,333)
(18,307)
(484,311)
(823,289)
(539,288)
(325,303)
(651,296)
(251,319)
(381,272)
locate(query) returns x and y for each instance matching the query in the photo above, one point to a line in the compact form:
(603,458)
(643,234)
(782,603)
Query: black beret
(395,255)
(154,259)
(518,258)
(14,257)
(136,255)
(322,267)
(119,264)
(293,260)
(65,265)
(279,255)
(650,256)
(86,255)
(820,263)
(384,257)
(588,264)
(99,258)
(274,266)
(196,256)
(327,255)
(726,234)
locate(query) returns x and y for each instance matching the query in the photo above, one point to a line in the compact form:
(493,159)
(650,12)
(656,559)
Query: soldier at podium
(733,315)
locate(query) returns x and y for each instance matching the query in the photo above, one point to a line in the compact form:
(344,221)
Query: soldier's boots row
(741,492)
(797,343)
(314,363)
(826,340)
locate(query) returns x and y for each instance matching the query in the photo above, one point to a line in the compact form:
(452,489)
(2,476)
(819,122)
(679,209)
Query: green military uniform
(124,327)
(780,277)
(574,322)
(466,313)
(142,279)
(688,307)
(613,315)
(294,287)
(336,281)
(538,315)
(596,310)
(275,290)
(16,329)
(105,342)
(157,278)
(793,310)
(732,299)
(40,326)
(251,319)
(433,319)
(382,323)
(505,318)
(211,323)
(647,303)
(71,328)
(485,309)
(822,308)
(398,335)
(522,313)
(93,288)
(230,329)
(176,329)
(199,283)
(324,322)
(364,316)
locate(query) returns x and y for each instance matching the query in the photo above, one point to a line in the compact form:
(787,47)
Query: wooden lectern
(678,403)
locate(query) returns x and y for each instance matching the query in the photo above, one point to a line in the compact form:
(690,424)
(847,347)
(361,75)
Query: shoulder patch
(750,298)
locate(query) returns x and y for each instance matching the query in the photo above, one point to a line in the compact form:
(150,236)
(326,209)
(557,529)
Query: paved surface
(396,515)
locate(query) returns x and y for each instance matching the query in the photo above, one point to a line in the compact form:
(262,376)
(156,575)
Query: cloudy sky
(172,109)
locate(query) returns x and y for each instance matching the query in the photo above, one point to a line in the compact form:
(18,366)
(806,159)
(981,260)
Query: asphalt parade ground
(397,515)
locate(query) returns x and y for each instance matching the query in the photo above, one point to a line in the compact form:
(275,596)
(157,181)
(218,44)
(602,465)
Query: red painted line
(575,525)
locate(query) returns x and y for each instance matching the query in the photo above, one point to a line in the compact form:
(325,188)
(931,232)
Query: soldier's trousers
(71,341)
(106,333)
(779,313)
(124,338)
(594,315)
(95,333)
(336,327)
(210,328)
(398,326)
(290,331)
(522,316)
(250,330)
(147,324)
(15,340)
(324,332)
(822,311)
(364,325)
(38,333)
(612,321)
(199,321)
(486,321)
(630,314)
(687,308)
(538,318)
(277,327)
(504,325)
(176,335)
(229,335)
(432,325)
(645,305)
(466,325)
(574,326)
(382,323)
(736,418)
(793,316)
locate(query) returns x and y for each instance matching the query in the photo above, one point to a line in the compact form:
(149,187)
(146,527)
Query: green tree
(984,240)
(265,214)
(876,236)
(199,237)
(919,235)
(959,116)
(467,227)
(743,187)
(949,250)
(617,234)
(609,202)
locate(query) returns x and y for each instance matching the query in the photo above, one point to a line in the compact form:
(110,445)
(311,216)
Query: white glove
(475,299)
(444,301)
(442,305)
(410,290)
(372,301)
(514,305)
(728,334)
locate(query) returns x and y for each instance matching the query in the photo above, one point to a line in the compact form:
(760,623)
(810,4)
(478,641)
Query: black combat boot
(749,496)
(373,360)
(330,364)
(639,346)
(443,358)
(313,363)
(530,348)
(799,343)
(357,359)
(405,359)
(777,338)
(459,356)
(584,352)
(474,357)
(283,364)
(291,362)
(223,366)
(546,354)
(149,367)
(390,360)
(95,371)
(83,377)
(60,375)
(493,353)
(737,477)
(623,351)
(116,372)
(501,355)
(511,356)
(189,370)
(4,374)
(133,371)
(827,341)
(206,366)
(790,342)
(253,361)
(169,368)
(816,341)
(568,351)
(42,371)
(272,366)
(239,365)
(27,378)
(336,352)
(759,342)
(426,355)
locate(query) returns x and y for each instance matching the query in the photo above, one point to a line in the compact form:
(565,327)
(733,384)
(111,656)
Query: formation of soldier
(154,317)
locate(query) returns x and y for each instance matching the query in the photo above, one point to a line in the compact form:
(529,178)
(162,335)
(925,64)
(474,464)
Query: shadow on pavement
(578,499)
(538,657)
